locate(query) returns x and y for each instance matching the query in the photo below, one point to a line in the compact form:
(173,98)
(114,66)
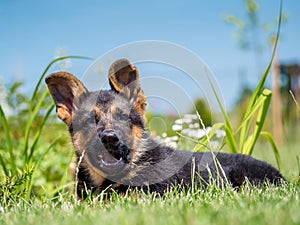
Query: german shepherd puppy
(114,151)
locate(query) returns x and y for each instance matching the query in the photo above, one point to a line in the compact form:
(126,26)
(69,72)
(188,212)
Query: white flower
(167,140)
(195,125)
(172,145)
(174,138)
(220,133)
(185,131)
(187,120)
(191,116)
(176,127)
(179,121)
(198,133)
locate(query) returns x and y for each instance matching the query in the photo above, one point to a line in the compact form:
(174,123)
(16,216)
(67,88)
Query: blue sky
(32,32)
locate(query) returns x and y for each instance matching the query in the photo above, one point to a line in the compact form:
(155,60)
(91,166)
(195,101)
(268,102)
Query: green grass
(268,205)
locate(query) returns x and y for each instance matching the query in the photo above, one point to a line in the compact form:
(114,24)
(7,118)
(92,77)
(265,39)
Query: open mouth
(111,159)
(113,154)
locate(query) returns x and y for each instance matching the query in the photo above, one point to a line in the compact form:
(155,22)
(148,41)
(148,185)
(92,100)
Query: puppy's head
(106,126)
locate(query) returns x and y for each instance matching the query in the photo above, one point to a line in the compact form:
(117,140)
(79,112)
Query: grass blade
(8,141)
(262,113)
(250,114)
(38,133)
(269,137)
(228,130)
(298,162)
(3,166)
(295,101)
(29,123)
(230,141)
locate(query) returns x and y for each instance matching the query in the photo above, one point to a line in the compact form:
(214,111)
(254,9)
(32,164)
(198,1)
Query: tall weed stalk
(245,136)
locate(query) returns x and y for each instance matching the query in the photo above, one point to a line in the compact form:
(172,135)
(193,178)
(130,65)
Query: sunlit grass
(268,205)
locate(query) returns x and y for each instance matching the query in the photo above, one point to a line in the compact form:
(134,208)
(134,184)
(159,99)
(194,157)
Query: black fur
(231,168)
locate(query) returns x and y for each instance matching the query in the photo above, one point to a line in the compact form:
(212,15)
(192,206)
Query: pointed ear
(124,78)
(67,92)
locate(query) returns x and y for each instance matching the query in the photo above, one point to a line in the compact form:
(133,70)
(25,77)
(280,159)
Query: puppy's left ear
(124,78)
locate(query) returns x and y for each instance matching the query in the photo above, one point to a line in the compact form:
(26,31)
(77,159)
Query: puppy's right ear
(67,92)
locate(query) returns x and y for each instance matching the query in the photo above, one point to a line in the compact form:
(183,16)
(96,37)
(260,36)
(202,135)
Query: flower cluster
(190,126)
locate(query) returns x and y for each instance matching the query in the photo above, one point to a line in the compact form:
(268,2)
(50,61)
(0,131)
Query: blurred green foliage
(203,110)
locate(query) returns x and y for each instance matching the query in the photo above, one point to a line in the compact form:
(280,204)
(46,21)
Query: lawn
(250,205)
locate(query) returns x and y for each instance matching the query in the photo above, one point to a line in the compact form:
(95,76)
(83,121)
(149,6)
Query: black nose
(109,138)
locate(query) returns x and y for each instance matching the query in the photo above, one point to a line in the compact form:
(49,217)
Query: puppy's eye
(123,117)
(90,120)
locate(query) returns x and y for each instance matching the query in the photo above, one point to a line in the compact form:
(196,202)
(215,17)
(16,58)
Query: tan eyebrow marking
(97,112)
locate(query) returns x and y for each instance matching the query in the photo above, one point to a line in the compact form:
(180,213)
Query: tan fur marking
(97,113)
(140,105)
(137,132)
(78,139)
(76,142)
(115,84)
(95,176)
(64,115)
